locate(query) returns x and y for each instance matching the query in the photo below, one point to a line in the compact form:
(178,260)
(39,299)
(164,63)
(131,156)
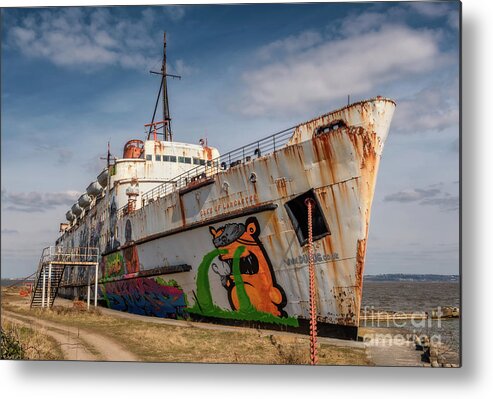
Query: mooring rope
(309,202)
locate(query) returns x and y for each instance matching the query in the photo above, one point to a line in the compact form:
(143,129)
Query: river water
(416,296)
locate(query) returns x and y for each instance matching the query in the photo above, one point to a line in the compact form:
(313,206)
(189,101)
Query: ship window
(172,158)
(209,163)
(336,125)
(298,213)
(149,157)
(158,157)
(181,159)
(165,158)
(196,161)
(202,162)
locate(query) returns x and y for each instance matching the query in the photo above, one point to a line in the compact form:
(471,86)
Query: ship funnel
(94,189)
(70,216)
(84,201)
(103,178)
(76,209)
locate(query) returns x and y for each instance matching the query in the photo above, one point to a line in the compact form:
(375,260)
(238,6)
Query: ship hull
(234,249)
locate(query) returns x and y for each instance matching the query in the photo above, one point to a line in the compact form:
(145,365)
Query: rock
(447,365)
(434,363)
(454,365)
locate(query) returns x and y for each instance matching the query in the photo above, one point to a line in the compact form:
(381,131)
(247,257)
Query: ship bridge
(144,166)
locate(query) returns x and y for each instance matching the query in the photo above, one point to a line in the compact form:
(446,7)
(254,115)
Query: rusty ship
(178,230)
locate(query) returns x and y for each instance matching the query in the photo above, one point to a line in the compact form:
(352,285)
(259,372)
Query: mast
(166,117)
(166,122)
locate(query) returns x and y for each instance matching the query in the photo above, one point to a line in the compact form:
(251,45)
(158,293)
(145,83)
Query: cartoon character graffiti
(255,267)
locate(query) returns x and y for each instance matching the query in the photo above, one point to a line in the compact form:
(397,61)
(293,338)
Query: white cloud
(433,10)
(330,70)
(361,23)
(426,196)
(433,108)
(89,38)
(430,9)
(176,13)
(36,201)
(412,195)
(290,44)
(179,67)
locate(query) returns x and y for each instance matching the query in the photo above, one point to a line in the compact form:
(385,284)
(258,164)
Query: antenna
(167,133)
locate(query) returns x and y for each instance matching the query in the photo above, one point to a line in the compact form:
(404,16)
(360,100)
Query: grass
(28,344)
(157,342)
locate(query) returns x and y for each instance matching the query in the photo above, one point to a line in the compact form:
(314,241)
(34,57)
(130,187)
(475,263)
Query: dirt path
(76,343)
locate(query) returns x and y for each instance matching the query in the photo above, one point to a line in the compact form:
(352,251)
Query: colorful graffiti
(112,265)
(146,296)
(246,273)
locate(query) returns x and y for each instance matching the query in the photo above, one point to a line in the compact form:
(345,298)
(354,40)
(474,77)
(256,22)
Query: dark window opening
(158,157)
(165,158)
(336,125)
(188,160)
(196,161)
(202,162)
(298,213)
(149,157)
(172,158)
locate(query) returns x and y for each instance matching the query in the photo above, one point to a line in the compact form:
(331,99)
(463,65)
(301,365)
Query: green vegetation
(11,348)
(23,343)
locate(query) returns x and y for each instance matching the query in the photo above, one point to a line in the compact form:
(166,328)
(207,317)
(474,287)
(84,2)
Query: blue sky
(74,78)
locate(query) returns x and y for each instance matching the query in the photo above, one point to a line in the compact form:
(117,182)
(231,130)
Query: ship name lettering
(318,258)
(218,208)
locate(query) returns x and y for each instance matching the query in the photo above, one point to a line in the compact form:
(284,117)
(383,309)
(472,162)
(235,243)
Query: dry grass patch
(34,345)
(157,342)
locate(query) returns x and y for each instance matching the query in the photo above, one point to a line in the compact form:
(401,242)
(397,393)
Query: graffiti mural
(130,254)
(112,265)
(112,242)
(146,296)
(95,234)
(245,272)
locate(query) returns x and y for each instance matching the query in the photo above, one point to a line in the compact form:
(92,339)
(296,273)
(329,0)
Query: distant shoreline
(453,278)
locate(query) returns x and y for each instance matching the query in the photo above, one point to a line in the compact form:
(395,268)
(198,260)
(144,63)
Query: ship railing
(224,162)
(55,254)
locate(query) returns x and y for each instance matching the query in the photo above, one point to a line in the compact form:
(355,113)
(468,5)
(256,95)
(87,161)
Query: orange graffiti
(256,271)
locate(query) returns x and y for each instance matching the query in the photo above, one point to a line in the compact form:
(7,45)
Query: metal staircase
(51,269)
